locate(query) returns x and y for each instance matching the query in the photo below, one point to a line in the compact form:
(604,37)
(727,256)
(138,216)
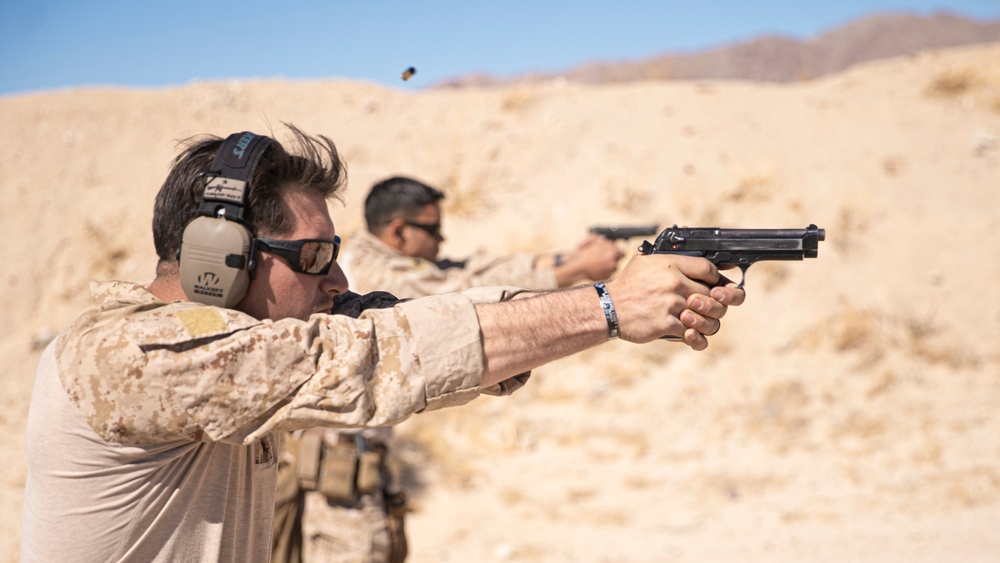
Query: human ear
(393,233)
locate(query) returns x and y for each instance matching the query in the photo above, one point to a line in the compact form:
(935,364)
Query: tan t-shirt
(151,432)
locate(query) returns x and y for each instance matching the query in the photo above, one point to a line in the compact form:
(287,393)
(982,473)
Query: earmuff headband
(227,190)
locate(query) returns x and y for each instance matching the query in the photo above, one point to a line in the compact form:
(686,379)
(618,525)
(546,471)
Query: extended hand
(681,296)
(595,259)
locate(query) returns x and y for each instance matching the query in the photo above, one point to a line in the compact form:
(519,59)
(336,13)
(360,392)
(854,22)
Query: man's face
(278,292)
(417,241)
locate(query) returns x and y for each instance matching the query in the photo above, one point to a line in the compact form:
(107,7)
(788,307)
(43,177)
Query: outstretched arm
(652,297)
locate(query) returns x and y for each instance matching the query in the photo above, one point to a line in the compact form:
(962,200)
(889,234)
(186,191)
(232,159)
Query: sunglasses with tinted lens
(312,256)
(433,229)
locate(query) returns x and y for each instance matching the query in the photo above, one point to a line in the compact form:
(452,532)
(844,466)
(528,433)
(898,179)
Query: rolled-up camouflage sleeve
(142,371)
(377,370)
(353,304)
(151,372)
(430,357)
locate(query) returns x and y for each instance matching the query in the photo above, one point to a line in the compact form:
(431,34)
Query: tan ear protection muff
(216,252)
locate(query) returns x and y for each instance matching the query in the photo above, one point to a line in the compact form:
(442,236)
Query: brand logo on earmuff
(242,144)
(208,284)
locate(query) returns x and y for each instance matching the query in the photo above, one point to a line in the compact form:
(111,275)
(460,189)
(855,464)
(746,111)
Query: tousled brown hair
(314,167)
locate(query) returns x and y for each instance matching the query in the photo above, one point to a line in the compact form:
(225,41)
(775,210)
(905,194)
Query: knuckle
(676,304)
(707,270)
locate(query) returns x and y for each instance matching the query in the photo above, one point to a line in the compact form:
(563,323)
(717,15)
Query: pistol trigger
(743,270)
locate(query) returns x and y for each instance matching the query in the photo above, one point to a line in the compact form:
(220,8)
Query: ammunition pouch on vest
(343,471)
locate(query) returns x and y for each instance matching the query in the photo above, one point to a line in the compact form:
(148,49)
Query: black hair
(395,197)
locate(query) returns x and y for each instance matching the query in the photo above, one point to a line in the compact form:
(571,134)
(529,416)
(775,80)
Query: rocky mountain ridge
(775,58)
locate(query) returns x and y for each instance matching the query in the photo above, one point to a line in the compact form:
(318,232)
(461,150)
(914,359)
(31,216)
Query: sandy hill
(847,412)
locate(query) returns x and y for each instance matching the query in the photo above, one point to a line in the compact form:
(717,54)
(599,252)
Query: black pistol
(614,232)
(738,247)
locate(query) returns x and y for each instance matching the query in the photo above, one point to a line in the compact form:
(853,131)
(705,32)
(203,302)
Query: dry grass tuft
(885,383)
(973,87)
(642,483)
(859,433)
(753,190)
(620,195)
(519,100)
(893,165)
(467,199)
(977,486)
(112,253)
(852,224)
(512,496)
(952,83)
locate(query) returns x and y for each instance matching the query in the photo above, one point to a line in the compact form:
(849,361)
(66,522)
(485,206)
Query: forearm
(652,298)
(522,334)
(595,259)
(565,273)
(568,274)
(517,270)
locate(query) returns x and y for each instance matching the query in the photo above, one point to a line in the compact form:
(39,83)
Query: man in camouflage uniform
(155,422)
(397,254)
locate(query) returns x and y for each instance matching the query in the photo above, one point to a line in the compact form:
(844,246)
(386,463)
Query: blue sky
(63,43)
